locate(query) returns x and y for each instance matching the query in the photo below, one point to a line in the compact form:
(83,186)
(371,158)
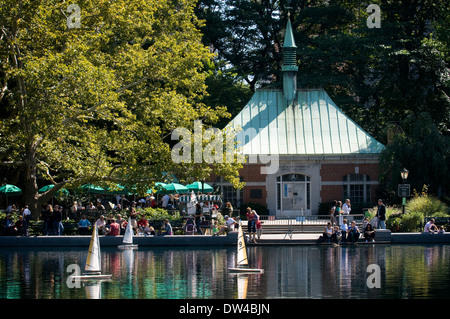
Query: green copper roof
(289,41)
(312,125)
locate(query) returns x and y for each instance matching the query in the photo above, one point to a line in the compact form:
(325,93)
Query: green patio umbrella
(10,190)
(50,186)
(197,187)
(158,187)
(119,190)
(173,188)
(93,189)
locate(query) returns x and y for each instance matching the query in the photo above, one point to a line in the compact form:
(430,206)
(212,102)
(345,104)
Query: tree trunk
(31,195)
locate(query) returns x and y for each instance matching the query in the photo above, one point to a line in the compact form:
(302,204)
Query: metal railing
(303,224)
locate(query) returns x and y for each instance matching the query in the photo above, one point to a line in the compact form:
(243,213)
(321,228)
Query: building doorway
(293,195)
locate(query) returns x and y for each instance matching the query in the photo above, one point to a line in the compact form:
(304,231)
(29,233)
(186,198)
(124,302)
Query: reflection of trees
(172,273)
(290,271)
(417,270)
(38,274)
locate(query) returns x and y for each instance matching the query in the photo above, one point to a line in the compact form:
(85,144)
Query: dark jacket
(381,213)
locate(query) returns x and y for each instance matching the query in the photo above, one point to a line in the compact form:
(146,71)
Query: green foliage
(423,150)
(390,210)
(426,205)
(97,104)
(157,215)
(396,70)
(416,209)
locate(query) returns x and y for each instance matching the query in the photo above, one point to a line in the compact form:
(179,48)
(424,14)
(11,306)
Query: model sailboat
(242,261)
(127,242)
(93,269)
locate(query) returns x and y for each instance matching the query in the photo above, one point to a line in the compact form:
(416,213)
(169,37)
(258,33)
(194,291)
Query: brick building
(301,149)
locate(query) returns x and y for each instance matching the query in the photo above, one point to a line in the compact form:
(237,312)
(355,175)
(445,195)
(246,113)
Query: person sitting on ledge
(326,235)
(369,233)
(114,228)
(167,228)
(353,232)
(83,225)
(229,226)
(430,227)
(336,235)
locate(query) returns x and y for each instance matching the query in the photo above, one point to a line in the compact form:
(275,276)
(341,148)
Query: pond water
(357,272)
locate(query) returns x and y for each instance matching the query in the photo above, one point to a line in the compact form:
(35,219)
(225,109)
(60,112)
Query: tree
(97,101)
(423,150)
(381,73)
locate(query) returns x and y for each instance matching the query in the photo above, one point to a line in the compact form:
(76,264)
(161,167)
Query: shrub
(427,206)
(390,210)
(411,222)
(157,215)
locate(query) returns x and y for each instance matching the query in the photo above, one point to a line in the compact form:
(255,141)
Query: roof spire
(289,66)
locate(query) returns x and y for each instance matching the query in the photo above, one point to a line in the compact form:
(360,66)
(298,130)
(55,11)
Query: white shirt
(165,200)
(346,209)
(230,223)
(100,223)
(26,212)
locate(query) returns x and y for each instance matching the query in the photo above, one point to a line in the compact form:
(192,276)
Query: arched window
(293,193)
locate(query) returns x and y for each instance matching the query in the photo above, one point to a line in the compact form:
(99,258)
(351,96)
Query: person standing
(347,207)
(381,215)
(346,210)
(332,211)
(228,210)
(198,218)
(26,215)
(165,200)
(47,216)
(73,211)
(338,213)
(251,224)
(57,218)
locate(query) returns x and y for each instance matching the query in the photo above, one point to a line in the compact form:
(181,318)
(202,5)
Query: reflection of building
(317,153)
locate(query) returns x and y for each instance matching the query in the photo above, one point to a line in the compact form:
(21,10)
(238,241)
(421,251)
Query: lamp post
(404,174)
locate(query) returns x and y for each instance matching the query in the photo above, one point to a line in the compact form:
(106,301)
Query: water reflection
(419,271)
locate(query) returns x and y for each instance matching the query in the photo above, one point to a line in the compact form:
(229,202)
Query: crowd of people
(339,230)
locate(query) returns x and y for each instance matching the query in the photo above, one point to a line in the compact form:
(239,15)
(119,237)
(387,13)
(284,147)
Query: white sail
(128,237)
(93,258)
(241,250)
